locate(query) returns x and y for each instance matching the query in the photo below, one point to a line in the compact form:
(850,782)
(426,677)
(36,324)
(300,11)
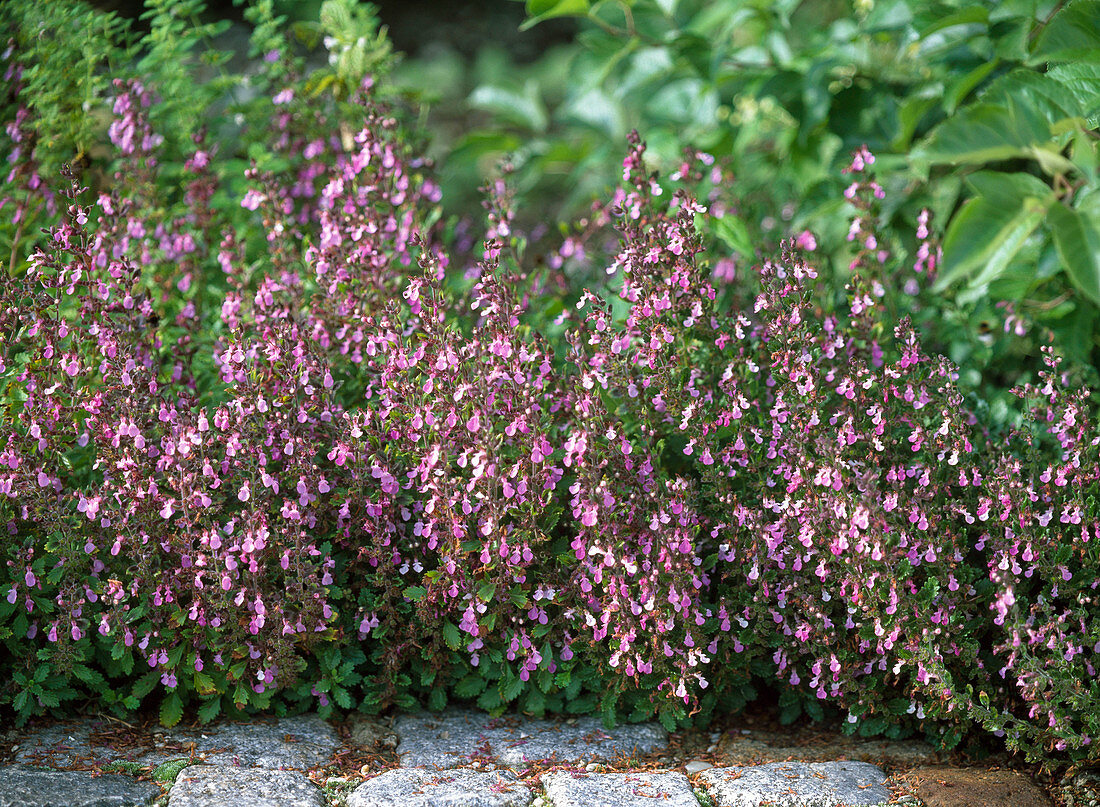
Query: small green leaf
(451,636)
(1077,236)
(437,699)
(204,684)
(490,699)
(510,687)
(414,593)
(210,709)
(171,710)
(486,592)
(470,687)
(961,87)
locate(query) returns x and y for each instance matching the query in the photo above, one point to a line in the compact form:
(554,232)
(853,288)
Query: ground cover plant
(269,440)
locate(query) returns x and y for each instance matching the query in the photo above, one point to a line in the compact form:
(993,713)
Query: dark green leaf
(1077,236)
(983,133)
(171,710)
(1073,33)
(470,687)
(540,10)
(984,237)
(451,636)
(209,710)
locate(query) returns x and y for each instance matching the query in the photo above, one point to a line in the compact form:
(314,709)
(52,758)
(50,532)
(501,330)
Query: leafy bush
(265,446)
(984,114)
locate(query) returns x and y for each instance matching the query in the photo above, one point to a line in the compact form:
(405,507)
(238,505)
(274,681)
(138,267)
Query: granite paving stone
(416,787)
(456,739)
(298,742)
(798,784)
(949,786)
(22,786)
(567,789)
(221,786)
(64,745)
(754,748)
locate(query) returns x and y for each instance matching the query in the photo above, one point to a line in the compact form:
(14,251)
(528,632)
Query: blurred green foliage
(986,113)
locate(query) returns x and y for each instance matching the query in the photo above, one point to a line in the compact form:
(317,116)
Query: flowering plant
(263,455)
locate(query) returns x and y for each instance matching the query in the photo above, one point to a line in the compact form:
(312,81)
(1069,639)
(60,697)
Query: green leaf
(1083,81)
(1035,92)
(524,108)
(490,699)
(451,636)
(1073,34)
(437,699)
(985,236)
(735,235)
(1008,190)
(486,592)
(470,687)
(144,685)
(210,709)
(414,593)
(204,684)
(983,133)
(961,87)
(540,10)
(1077,236)
(171,710)
(510,687)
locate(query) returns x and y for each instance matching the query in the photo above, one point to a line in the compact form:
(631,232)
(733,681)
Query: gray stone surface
(290,742)
(456,738)
(220,786)
(62,745)
(21,786)
(299,742)
(416,787)
(798,784)
(565,789)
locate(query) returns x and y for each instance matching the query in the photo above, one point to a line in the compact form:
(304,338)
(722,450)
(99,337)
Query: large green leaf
(1008,189)
(1051,99)
(984,237)
(958,89)
(1073,33)
(1077,236)
(983,133)
(524,108)
(1083,81)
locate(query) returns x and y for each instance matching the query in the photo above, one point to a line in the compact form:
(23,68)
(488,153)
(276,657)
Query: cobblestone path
(454,759)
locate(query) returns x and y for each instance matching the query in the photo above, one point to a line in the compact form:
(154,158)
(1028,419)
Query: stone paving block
(798,784)
(416,787)
(758,747)
(961,787)
(565,789)
(299,742)
(290,742)
(457,738)
(25,787)
(221,786)
(62,745)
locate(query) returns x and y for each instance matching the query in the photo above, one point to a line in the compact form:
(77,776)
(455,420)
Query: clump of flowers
(271,457)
